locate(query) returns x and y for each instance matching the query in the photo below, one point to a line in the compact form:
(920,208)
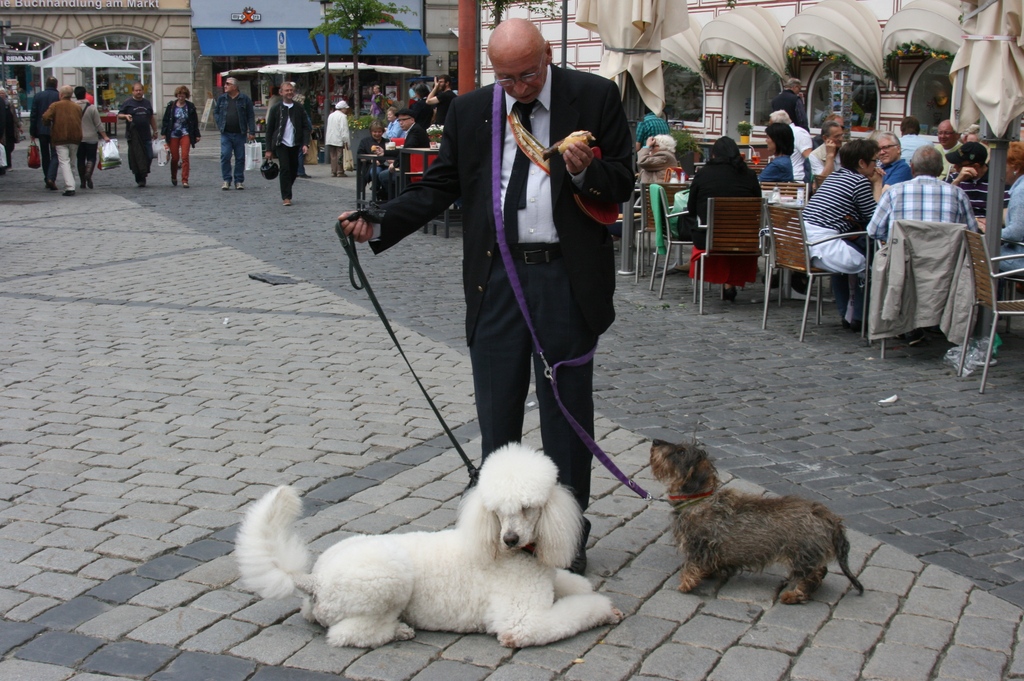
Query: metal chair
(734,226)
(665,236)
(791,251)
(645,230)
(985,295)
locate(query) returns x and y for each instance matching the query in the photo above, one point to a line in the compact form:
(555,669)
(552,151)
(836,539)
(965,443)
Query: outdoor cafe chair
(646,228)
(733,230)
(986,288)
(790,251)
(666,235)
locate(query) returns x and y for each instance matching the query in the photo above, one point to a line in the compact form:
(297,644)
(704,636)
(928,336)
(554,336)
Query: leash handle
(348,243)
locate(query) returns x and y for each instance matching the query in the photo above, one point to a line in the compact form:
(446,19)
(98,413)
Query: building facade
(877,61)
(152,38)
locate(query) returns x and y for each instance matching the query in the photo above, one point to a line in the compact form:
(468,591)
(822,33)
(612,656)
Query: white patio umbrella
(683,48)
(84,57)
(842,27)
(988,72)
(989,67)
(631,32)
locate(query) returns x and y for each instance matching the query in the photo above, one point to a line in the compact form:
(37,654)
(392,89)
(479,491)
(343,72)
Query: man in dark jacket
(415,136)
(564,259)
(288,131)
(39,130)
(236,121)
(789,100)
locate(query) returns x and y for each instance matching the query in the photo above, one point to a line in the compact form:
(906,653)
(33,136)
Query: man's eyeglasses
(887,146)
(525,78)
(403,119)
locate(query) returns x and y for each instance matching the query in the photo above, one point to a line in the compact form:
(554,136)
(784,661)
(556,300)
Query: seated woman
(845,203)
(376,172)
(655,158)
(780,148)
(726,174)
(1014,227)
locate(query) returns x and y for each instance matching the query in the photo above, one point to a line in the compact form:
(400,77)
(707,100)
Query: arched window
(113,86)
(748,97)
(864,95)
(930,99)
(684,95)
(23,52)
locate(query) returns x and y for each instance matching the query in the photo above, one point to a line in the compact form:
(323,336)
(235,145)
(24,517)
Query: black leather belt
(535,254)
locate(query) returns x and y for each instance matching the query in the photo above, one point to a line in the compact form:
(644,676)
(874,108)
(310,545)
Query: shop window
(930,97)
(684,95)
(23,51)
(113,86)
(863,94)
(748,97)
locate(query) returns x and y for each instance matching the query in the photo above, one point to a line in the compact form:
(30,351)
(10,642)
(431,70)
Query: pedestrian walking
(180,131)
(11,130)
(37,129)
(138,111)
(64,119)
(236,121)
(92,133)
(288,131)
(337,138)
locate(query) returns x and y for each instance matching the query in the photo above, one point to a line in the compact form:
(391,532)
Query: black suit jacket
(275,125)
(579,101)
(416,137)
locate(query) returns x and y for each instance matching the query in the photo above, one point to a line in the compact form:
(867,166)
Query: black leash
(356,270)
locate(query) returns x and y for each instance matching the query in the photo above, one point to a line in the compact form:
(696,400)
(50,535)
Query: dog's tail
(842,548)
(272,559)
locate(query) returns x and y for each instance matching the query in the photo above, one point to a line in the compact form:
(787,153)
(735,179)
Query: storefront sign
(246,16)
(80,4)
(14,57)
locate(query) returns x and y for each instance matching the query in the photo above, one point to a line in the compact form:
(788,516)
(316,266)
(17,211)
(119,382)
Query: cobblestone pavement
(149,389)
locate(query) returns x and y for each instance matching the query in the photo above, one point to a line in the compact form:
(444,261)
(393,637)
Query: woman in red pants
(180,131)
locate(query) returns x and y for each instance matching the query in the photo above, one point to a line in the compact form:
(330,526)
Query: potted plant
(744,128)
(688,151)
(435,132)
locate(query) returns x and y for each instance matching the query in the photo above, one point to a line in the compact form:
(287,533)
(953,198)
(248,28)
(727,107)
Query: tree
(346,18)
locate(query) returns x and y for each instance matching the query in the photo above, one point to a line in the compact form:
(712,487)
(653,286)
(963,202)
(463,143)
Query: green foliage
(744,128)
(360,122)
(346,18)
(686,143)
(552,9)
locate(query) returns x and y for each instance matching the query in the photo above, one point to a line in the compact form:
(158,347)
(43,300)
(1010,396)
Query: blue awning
(380,42)
(252,42)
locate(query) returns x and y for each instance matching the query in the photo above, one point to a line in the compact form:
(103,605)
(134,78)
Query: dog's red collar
(681,501)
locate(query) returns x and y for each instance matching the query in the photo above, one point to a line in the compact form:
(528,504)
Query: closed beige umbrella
(842,27)
(930,23)
(631,32)
(989,67)
(683,49)
(750,34)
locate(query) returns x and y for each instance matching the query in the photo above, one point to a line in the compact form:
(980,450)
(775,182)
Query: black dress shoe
(579,564)
(730,294)
(50,184)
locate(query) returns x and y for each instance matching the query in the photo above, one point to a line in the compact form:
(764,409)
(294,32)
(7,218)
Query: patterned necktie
(515,193)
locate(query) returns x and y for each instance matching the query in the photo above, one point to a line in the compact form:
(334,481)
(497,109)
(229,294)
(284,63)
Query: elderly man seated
(895,168)
(925,197)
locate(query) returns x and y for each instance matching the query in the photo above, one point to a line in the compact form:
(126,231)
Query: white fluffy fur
(370,590)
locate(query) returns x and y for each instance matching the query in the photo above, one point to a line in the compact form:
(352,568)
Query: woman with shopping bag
(180,131)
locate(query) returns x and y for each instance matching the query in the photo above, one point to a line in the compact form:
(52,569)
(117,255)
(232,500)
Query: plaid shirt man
(650,126)
(922,198)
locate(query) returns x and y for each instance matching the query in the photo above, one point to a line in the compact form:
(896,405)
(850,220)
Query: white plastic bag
(160,152)
(253,155)
(110,157)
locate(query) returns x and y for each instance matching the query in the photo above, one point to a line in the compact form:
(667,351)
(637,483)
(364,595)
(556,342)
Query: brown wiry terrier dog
(723,530)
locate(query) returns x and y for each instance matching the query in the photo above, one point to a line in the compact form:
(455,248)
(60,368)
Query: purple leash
(550,372)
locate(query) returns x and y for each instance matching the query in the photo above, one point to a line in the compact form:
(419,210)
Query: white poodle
(498,571)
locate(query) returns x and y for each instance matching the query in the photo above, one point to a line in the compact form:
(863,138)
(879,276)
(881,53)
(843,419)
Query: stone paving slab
(149,390)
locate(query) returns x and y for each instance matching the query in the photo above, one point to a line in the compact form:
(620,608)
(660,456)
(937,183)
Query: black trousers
(48,155)
(288,157)
(501,351)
